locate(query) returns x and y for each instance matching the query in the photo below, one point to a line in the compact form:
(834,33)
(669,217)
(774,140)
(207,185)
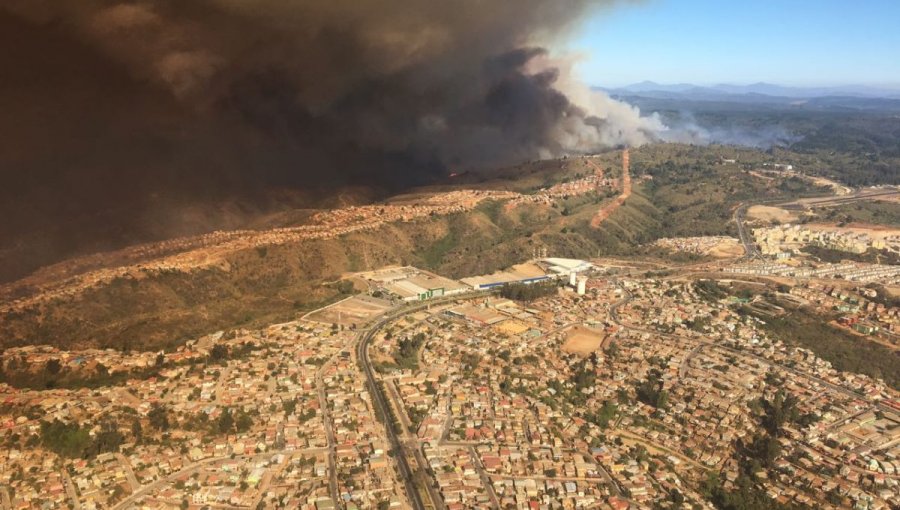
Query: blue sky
(789,42)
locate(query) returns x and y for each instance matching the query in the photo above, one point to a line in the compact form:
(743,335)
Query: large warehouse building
(530,272)
(413,284)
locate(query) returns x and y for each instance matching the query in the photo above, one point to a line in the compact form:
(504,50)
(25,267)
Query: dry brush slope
(256,286)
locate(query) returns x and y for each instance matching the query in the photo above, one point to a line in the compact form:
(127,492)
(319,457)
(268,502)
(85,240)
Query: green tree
(65,439)
(764,449)
(108,439)
(137,430)
(225,422)
(677,497)
(53,366)
(102,371)
(782,409)
(606,414)
(243,422)
(218,353)
(159,417)
(613,350)
(651,391)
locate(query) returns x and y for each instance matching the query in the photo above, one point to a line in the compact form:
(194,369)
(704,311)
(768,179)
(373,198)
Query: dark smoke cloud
(445,79)
(133,106)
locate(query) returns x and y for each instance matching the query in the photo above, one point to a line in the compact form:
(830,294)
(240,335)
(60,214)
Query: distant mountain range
(726,91)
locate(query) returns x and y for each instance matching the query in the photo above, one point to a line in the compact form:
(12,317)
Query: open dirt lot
(582,340)
(511,327)
(354,310)
(767,213)
(726,249)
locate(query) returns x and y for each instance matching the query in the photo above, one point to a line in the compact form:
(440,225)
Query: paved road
(557,330)
(410,443)
(129,473)
(833,200)
(704,343)
(604,474)
(383,409)
(614,485)
(266,482)
(614,308)
(70,489)
(378,400)
(391,386)
(187,470)
(840,389)
(841,462)
(485,478)
(686,362)
(650,445)
(126,503)
(329,432)
(740,215)
(551,478)
(221,384)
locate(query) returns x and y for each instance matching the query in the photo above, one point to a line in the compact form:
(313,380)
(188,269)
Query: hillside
(678,192)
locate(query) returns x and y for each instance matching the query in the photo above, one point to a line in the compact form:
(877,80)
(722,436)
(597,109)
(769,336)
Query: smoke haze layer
(120,111)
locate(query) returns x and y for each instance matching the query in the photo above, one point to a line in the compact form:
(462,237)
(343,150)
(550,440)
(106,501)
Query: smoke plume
(684,127)
(130,105)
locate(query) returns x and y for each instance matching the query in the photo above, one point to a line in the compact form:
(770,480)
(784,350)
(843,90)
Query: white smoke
(607,122)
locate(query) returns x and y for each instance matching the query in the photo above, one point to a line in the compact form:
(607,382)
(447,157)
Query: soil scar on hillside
(611,207)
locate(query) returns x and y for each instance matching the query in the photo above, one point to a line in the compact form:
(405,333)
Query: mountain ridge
(759,88)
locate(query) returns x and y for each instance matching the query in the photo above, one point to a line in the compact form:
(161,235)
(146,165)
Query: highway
(740,214)
(329,430)
(362,353)
(812,202)
(383,408)
(408,441)
(831,200)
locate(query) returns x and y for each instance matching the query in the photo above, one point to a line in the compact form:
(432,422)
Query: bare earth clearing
(767,213)
(582,340)
(607,210)
(727,249)
(354,310)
